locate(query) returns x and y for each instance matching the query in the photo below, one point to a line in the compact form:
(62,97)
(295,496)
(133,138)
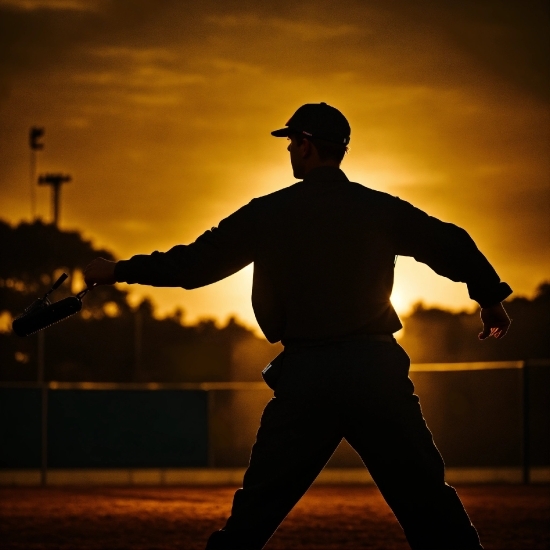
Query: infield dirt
(328,518)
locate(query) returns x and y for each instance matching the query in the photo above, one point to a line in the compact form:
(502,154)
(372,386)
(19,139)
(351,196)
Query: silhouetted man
(324,251)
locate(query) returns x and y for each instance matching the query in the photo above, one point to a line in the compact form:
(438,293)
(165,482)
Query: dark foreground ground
(507,517)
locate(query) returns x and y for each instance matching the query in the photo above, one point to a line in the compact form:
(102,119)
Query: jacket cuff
(487,297)
(121,269)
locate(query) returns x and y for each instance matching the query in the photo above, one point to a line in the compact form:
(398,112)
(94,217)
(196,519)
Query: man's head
(319,135)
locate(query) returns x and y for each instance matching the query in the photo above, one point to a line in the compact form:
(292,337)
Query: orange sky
(161,112)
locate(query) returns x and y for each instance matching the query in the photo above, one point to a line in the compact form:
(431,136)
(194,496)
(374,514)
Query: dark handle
(59,281)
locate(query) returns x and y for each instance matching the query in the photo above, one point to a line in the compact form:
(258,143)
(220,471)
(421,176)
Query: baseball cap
(317,120)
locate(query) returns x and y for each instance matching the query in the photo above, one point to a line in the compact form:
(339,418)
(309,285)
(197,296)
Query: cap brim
(283,132)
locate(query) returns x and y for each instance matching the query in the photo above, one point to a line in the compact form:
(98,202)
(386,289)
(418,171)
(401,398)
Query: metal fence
(481,415)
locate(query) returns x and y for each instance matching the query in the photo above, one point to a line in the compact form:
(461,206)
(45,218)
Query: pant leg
(392,438)
(297,436)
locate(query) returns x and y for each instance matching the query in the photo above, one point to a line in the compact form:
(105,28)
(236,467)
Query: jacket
(324,251)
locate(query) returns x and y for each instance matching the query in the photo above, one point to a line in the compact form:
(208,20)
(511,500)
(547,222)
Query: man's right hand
(495,322)
(100,272)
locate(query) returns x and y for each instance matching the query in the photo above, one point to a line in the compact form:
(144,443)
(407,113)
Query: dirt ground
(327,518)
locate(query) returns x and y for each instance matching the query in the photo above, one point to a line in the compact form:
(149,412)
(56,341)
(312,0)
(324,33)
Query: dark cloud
(425,42)
(507,38)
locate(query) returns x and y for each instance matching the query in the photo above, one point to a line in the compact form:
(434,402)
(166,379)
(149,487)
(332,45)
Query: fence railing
(483,413)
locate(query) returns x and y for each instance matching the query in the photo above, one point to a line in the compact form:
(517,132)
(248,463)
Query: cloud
(53,5)
(145,77)
(77,122)
(306,30)
(155,100)
(232,66)
(508,40)
(135,54)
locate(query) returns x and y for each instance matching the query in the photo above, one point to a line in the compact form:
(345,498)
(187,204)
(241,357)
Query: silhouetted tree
(109,340)
(435,335)
(35,254)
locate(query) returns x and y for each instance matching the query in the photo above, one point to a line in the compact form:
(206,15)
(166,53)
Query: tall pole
(55,181)
(56,196)
(32,182)
(525,428)
(138,339)
(35,134)
(44,410)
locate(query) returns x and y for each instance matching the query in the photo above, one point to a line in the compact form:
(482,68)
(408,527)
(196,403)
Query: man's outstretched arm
(216,254)
(451,252)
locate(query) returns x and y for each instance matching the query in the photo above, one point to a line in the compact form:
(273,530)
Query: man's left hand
(495,322)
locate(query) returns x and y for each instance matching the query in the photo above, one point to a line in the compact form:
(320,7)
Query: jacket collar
(325,174)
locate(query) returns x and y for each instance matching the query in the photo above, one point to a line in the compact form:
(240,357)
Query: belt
(310,343)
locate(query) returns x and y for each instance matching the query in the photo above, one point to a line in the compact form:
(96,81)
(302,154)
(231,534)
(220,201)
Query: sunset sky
(161,111)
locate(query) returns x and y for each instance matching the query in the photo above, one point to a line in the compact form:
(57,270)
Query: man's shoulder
(369,192)
(279,197)
(372,199)
(282,193)
(348,187)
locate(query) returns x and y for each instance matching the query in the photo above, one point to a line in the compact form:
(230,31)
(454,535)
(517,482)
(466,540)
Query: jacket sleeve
(449,251)
(216,254)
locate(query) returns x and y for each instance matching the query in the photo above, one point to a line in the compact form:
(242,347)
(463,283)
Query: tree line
(109,340)
(112,341)
(433,335)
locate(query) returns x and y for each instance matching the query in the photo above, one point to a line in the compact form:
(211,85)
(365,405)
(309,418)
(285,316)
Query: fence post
(209,423)
(44,450)
(525,451)
(44,408)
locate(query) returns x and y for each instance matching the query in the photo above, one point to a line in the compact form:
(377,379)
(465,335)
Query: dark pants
(359,391)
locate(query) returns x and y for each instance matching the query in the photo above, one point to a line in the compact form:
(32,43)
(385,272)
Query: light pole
(35,133)
(55,181)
